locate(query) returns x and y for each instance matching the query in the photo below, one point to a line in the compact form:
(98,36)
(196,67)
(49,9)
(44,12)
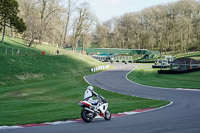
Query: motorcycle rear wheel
(85,116)
(107,115)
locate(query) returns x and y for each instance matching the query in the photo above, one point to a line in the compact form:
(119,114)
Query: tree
(33,29)
(173,27)
(81,21)
(29,12)
(44,20)
(71,4)
(8,16)
(101,35)
(47,10)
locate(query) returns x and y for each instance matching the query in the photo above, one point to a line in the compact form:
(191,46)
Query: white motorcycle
(89,111)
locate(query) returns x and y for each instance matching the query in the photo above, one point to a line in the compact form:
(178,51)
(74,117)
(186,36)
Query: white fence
(100,68)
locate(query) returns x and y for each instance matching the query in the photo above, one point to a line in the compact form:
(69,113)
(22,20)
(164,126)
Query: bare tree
(172,27)
(48,8)
(87,29)
(84,15)
(42,18)
(71,5)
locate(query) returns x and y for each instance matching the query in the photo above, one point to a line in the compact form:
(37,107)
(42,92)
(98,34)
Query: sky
(106,9)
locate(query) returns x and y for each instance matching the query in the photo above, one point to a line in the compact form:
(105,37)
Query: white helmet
(90,88)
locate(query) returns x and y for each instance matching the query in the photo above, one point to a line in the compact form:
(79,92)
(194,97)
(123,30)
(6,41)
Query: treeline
(174,27)
(57,22)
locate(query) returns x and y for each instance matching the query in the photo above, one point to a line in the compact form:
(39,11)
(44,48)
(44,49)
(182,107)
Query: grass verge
(56,99)
(149,76)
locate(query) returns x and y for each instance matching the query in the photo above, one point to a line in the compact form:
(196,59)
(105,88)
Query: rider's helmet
(90,88)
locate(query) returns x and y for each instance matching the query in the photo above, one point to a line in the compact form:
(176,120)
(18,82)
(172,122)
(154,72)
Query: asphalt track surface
(183,116)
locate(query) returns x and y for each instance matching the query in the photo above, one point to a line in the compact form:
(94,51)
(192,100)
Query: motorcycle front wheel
(85,116)
(107,115)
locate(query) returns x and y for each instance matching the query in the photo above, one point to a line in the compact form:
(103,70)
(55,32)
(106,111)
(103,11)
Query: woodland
(172,27)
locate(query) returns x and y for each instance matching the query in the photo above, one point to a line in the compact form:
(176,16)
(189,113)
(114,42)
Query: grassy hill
(32,65)
(36,88)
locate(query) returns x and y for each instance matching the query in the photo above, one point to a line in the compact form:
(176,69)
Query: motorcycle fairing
(86,103)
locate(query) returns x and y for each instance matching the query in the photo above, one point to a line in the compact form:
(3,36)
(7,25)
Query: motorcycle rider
(89,93)
(92,107)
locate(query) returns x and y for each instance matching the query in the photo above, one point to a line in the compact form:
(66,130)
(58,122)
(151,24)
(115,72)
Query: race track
(183,116)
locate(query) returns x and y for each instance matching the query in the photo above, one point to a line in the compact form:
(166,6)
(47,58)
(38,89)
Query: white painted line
(10,127)
(186,89)
(59,122)
(87,81)
(131,113)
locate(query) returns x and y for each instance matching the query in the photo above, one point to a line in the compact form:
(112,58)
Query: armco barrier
(100,68)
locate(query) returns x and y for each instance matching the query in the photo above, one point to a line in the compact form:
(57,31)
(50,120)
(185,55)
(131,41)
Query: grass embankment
(36,88)
(149,76)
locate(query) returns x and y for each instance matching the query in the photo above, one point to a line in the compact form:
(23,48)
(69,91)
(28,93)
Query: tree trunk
(40,38)
(32,39)
(83,48)
(13,35)
(11,32)
(31,42)
(174,42)
(62,37)
(160,43)
(53,42)
(44,3)
(84,41)
(66,30)
(4,29)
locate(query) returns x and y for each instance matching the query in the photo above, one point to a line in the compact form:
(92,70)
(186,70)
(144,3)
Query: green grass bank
(36,88)
(144,74)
